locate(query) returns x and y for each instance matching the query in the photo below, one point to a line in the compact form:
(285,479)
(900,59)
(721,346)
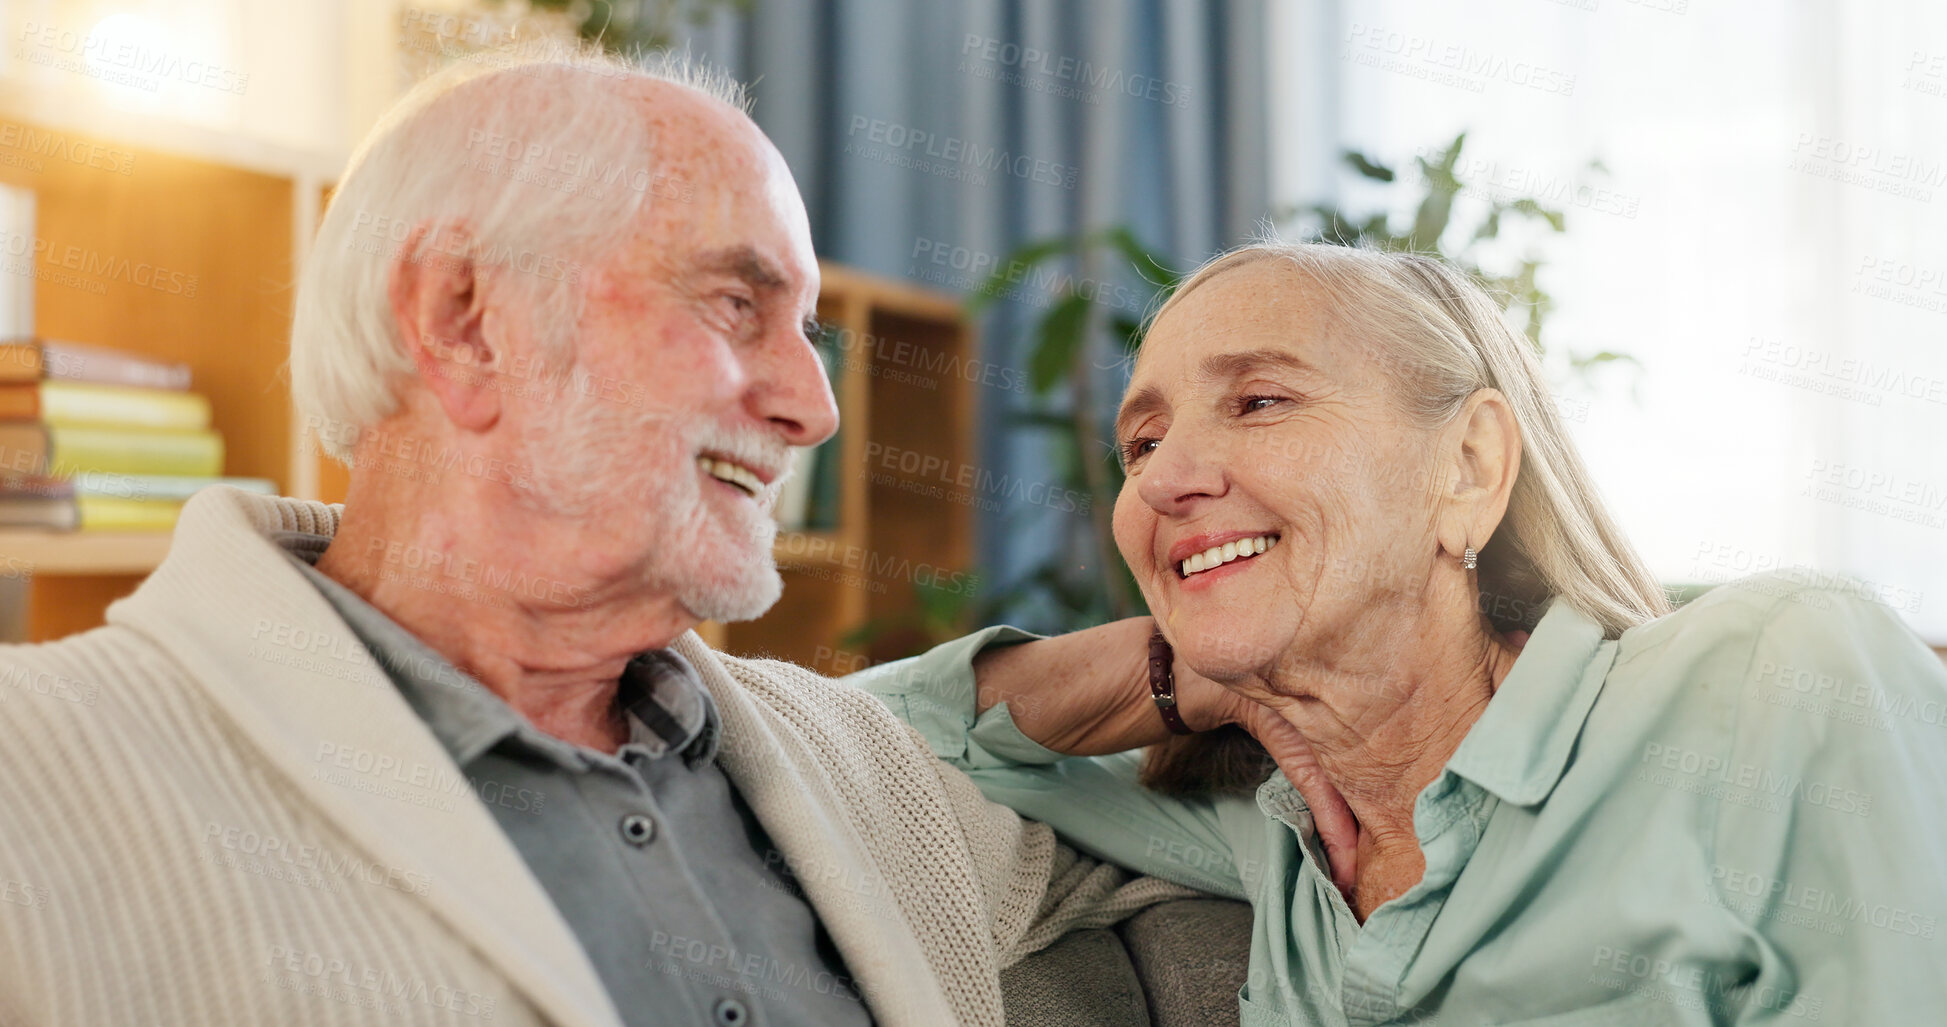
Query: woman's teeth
(1217,556)
(736,474)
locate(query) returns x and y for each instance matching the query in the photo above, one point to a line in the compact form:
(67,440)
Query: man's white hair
(537,167)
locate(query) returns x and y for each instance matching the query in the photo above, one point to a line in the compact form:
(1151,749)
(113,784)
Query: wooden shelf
(809,549)
(50,552)
(223,226)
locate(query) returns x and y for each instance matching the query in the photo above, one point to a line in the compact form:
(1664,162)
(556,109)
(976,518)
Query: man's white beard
(584,452)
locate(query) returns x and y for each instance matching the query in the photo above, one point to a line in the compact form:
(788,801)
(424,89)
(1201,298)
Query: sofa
(1175,964)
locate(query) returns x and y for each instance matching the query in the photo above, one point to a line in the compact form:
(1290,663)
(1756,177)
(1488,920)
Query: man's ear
(438,302)
(1483,459)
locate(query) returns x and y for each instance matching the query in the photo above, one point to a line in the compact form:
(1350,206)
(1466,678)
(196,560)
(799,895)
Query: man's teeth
(736,474)
(1217,556)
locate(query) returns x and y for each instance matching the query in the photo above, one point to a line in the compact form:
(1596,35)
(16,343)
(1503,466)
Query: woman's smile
(1203,560)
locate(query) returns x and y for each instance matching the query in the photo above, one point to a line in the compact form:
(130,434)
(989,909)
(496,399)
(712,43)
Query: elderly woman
(1356,516)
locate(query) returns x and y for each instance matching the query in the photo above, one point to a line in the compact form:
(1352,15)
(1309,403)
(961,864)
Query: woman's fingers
(1331,816)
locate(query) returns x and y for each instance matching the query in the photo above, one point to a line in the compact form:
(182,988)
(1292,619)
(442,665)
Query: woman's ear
(438,302)
(1483,459)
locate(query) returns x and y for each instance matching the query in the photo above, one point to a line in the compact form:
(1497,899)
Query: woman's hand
(1085,693)
(1331,816)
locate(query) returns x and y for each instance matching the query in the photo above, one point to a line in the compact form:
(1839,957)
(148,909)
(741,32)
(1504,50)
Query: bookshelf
(68,553)
(182,257)
(232,226)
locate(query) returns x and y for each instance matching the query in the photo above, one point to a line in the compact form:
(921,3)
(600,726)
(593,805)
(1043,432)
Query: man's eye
(740,304)
(1137,447)
(1253,404)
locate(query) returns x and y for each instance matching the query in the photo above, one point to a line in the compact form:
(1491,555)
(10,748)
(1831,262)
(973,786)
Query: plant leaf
(1527,205)
(1367,166)
(1058,339)
(1147,266)
(1002,279)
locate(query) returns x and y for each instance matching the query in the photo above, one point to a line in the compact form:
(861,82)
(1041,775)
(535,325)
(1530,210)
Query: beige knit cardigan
(217,810)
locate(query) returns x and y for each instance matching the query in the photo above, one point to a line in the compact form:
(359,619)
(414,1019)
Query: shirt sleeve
(1844,886)
(1094,803)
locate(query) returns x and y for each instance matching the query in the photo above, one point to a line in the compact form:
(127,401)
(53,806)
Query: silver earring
(1469,559)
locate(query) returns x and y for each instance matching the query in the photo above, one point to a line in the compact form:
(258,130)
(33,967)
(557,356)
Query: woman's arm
(1007,707)
(1087,693)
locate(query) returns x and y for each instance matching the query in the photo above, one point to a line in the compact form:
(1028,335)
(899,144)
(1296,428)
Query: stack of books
(96,439)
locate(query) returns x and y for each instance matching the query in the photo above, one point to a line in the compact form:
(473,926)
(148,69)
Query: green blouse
(1733,814)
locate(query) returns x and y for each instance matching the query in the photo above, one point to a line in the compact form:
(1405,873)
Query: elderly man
(451,754)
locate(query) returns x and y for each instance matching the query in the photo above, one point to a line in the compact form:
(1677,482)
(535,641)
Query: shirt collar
(1520,746)
(667,706)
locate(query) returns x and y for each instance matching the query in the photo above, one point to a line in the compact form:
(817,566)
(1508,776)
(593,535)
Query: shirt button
(638,829)
(730,1013)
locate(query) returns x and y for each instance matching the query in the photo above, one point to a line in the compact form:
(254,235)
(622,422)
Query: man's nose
(793,393)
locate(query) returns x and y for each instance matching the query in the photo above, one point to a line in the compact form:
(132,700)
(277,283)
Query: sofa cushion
(1192,956)
(1083,980)
(1175,964)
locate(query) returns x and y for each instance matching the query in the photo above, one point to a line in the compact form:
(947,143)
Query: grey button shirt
(687,911)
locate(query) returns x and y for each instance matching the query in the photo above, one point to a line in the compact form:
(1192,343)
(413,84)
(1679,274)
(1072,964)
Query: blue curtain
(932,137)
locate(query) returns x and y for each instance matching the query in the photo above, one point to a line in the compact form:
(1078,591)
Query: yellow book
(112,513)
(63,402)
(137,451)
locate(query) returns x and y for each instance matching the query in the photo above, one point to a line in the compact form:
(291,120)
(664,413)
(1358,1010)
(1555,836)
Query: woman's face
(1251,415)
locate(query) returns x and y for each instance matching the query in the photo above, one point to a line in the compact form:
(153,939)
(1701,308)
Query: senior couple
(1476,769)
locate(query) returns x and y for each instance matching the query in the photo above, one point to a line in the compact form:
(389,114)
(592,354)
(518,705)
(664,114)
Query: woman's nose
(1179,473)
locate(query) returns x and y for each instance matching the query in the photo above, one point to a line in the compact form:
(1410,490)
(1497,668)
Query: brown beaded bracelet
(1162,683)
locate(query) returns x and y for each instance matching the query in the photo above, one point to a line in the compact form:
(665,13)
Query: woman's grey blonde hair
(1439,337)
